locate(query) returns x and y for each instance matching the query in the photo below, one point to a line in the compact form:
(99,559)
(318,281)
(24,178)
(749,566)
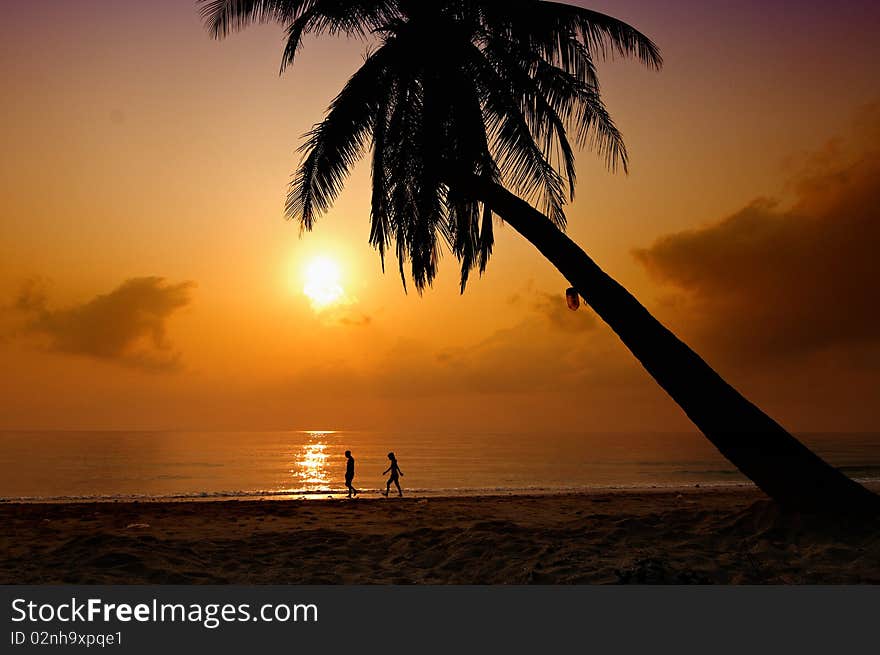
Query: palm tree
(467,107)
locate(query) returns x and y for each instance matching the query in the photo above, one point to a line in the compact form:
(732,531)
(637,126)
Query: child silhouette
(395,474)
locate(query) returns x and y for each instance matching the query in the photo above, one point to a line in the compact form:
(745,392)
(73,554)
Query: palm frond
(353,19)
(519,158)
(605,35)
(543,24)
(222,17)
(470,227)
(336,143)
(380,219)
(538,107)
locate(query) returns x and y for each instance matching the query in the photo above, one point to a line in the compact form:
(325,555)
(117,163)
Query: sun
(323,282)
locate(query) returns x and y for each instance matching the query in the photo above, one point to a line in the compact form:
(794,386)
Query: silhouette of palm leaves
(451,88)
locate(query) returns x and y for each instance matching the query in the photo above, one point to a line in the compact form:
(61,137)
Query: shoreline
(374,494)
(650,536)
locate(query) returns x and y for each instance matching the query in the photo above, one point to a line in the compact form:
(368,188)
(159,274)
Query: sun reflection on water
(311,463)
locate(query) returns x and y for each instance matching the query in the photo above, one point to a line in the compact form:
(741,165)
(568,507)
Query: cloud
(547,350)
(355,320)
(127,325)
(784,281)
(554,308)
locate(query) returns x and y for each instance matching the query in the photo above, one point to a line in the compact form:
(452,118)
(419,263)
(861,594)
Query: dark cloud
(126,325)
(554,308)
(788,280)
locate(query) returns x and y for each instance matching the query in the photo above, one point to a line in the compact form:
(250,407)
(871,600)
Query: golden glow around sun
(323,282)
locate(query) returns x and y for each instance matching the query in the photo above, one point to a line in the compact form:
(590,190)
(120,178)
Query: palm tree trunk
(785,469)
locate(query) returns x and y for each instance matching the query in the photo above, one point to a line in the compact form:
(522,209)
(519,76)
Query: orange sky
(148,279)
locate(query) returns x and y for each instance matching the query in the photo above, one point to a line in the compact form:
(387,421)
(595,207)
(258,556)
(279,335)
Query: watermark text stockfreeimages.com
(208,615)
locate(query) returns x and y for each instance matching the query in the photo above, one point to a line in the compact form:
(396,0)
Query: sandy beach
(655,537)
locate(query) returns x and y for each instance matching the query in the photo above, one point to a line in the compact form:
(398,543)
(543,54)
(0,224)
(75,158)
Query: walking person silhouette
(349,474)
(395,474)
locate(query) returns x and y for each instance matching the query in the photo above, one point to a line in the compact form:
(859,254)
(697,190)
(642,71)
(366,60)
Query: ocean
(117,465)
